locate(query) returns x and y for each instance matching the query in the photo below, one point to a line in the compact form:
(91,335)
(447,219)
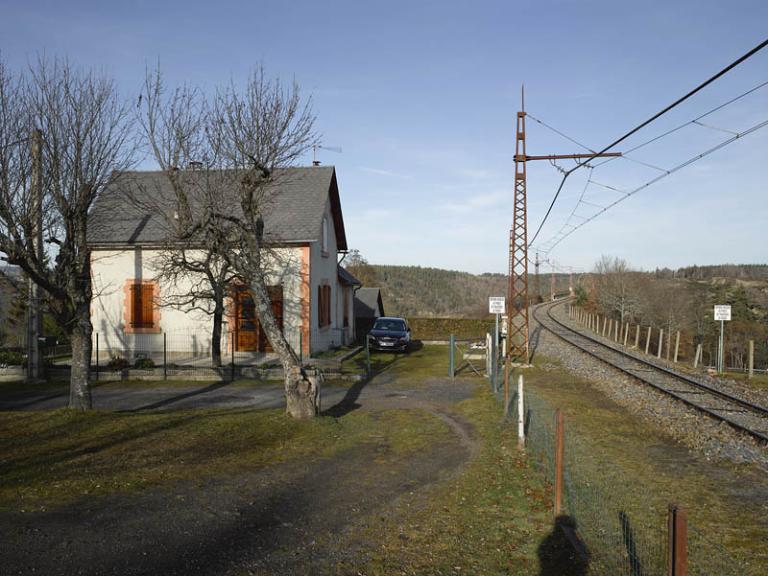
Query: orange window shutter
(320,306)
(147,305)
(134,313)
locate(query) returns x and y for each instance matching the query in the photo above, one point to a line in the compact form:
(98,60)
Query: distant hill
(417,292)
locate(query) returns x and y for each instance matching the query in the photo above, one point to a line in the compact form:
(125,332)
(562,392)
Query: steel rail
(757,409)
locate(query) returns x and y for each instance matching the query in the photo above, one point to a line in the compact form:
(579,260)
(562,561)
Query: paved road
(135,398)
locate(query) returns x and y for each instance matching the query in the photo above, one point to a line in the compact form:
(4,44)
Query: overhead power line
(639,127)
(688,162)
(546,246)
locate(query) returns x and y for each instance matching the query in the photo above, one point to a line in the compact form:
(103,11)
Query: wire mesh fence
(623,526)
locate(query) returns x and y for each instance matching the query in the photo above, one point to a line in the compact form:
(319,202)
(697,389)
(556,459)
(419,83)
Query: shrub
(144,363)
(12,358)
(117,363)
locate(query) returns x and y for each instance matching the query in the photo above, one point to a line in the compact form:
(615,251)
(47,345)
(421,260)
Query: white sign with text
(723,312)
(497,305)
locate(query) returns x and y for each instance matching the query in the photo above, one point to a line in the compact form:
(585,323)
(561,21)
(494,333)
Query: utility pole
(35,314)
(517,291)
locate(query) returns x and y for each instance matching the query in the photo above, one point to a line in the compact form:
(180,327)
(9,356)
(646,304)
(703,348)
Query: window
(324,305)
(324,239)
(141,309)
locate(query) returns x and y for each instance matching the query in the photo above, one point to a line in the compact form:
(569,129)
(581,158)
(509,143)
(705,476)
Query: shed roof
(368,303)
(347,278)
(129,211)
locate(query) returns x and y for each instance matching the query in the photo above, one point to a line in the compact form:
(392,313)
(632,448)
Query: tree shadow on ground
(560,553)
(179,397)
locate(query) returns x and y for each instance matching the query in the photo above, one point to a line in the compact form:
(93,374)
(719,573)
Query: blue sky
(422,97)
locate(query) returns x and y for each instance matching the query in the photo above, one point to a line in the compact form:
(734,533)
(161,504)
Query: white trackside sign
(497,305)
(723,312)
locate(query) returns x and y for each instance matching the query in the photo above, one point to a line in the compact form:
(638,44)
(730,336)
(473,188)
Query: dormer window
(324,238)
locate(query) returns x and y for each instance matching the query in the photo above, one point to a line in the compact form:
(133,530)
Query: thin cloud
(381,172)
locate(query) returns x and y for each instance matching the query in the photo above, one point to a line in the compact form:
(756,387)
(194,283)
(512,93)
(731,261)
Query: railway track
(743,415)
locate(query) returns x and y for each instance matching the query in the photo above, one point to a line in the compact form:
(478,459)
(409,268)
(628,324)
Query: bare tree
(615,288)
(86,138)
(244,137)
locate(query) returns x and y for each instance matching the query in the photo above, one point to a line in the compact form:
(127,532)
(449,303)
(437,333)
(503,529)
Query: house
(368,307)
(303,229)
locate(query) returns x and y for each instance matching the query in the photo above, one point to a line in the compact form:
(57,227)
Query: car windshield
(394,325)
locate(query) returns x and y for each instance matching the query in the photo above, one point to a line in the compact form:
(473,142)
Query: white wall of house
(185,330)
(324,271)
(348,331)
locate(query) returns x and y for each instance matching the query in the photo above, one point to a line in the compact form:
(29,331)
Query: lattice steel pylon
(517,344)
(517,291)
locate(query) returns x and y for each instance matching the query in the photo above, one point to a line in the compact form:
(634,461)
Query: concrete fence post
(697,356)
(637,336)
(450,356)
(626,334)
(559,458)
(616,331)
(605,324)
(751,367)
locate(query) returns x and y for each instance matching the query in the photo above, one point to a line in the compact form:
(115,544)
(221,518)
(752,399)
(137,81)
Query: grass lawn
(411,367)
(50,458)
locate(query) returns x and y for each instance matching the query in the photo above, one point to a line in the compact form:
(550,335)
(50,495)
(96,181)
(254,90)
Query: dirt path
(295,518)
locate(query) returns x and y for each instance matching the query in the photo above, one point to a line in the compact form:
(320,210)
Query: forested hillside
(683,301)
(416,292)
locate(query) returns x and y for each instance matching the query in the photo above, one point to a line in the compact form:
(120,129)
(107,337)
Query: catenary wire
(688,162)
(639,127)
(625,156)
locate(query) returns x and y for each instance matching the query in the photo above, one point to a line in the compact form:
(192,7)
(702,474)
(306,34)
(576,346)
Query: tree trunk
(79,383)
(218,315)
(302,391)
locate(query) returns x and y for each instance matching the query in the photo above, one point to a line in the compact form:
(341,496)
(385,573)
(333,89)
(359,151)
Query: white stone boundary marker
(520,413)
(697,358)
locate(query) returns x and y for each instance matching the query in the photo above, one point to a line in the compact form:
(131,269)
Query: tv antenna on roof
(316,147)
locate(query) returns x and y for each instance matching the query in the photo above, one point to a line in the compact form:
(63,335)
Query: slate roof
(348,278)
(368,303)
(129,211)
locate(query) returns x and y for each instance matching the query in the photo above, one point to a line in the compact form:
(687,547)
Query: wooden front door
(249,336)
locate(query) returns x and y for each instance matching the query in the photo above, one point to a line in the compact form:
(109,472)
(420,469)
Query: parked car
(390,333)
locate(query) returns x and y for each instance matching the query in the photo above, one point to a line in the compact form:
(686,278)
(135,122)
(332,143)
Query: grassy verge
(759,381)
(639,470)
(56,457)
